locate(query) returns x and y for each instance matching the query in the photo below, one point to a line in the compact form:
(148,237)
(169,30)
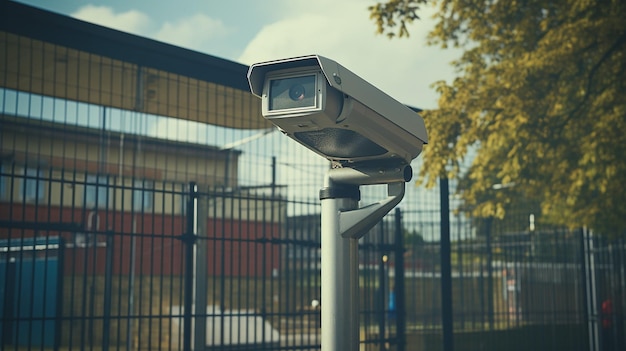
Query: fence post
(188,239)
(446,267)
(399,283)
(589,276)
(200,272)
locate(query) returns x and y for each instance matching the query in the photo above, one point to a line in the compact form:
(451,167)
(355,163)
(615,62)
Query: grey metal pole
(340,328)
(343,223)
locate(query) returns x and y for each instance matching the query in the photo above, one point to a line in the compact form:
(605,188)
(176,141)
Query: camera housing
(334,112)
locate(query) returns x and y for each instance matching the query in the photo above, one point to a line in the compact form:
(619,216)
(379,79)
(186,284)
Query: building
(96,194)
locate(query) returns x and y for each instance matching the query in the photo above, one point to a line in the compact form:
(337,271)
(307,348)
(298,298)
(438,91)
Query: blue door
(29,291)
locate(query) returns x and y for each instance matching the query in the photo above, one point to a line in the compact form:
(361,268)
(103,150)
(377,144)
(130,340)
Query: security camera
(334,112)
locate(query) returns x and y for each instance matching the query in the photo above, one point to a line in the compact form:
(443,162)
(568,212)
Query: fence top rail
(30,244)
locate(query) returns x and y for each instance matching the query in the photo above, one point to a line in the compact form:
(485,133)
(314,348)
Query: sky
(249,31)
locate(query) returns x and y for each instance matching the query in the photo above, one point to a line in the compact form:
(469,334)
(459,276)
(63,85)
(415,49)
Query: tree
(539,102)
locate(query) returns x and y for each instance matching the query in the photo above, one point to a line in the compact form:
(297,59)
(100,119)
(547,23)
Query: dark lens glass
(296,92)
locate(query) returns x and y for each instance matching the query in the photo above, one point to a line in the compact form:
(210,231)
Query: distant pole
(273,179)
(446,267)
(488,244)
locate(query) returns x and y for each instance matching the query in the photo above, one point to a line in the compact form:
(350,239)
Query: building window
(4,181)
(97,191)
(183,204)
(32,185)
(143,194)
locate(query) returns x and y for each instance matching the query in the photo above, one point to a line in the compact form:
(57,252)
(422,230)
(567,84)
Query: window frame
(97,191)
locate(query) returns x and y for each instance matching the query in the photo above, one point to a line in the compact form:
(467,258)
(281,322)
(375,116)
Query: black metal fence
(515,284)
(157,274)
(247,275)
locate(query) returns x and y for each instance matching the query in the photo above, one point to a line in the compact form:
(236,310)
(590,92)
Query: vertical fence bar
(131,283)
(488,244)
(446,267)
(189,239)
(58,320)
(222,275)
(201,273)
(399,283)
(108,277)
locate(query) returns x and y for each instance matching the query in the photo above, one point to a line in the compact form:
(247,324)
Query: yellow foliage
(539,101)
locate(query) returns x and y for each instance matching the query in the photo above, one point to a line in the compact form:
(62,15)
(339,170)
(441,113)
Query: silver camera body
(334,112)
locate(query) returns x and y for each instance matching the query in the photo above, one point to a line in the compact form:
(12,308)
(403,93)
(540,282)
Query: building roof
(54,55)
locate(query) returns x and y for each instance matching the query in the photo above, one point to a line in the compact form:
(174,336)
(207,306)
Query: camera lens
(296,92)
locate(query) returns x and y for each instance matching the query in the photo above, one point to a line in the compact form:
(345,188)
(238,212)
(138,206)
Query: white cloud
(194,32)
(404,68)
(132,21)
